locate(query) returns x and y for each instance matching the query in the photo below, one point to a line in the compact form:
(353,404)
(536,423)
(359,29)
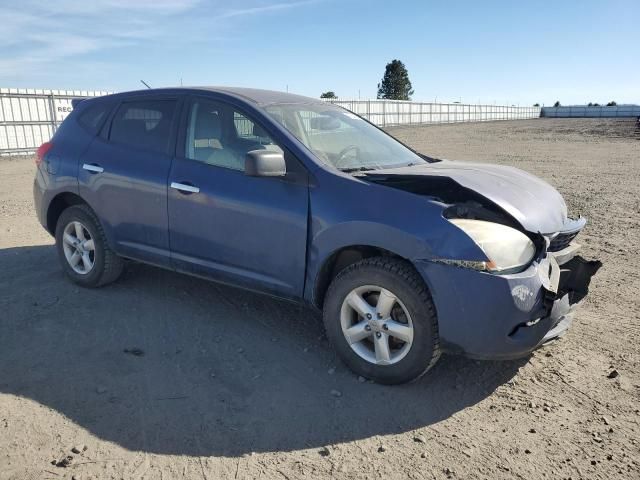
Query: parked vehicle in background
(407,256)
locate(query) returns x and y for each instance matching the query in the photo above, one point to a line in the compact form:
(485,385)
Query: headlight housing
(506,248)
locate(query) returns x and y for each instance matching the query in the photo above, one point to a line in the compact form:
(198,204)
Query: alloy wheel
(376,325)
(79,247)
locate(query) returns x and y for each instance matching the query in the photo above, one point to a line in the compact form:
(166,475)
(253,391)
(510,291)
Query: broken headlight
(506,248)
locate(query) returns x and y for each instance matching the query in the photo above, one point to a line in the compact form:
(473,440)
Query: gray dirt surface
(236,385)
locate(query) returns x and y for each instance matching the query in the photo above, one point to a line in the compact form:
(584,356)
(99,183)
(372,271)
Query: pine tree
(395,84)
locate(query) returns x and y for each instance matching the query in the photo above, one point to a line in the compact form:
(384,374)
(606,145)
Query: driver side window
(221,136)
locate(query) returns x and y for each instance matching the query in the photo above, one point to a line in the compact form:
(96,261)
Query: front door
(248,231)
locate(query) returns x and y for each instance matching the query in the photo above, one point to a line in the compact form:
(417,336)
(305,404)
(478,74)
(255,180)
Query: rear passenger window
(93,116)
(144,124)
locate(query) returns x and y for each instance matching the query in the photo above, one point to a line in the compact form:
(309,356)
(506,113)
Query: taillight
(42,151)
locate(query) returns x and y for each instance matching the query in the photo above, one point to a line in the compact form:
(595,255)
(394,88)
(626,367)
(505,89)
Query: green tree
(328,94)
(395,84)
(557,104)
(611,104)
(536,104)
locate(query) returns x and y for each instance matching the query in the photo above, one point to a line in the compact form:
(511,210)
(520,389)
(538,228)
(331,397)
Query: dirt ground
(230,384)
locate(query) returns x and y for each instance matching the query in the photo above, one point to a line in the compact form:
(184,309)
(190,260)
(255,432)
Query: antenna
(145,84)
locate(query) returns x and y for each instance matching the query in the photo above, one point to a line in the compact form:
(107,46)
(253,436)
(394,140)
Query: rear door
(243,230)
(123,176)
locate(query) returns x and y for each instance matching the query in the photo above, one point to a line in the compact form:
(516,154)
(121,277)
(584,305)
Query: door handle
(93,168)
(184,187)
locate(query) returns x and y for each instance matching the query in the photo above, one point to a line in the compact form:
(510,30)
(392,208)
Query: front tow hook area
(575,277)
(568,284)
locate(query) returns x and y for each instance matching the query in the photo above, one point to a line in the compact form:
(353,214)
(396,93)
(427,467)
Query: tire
(396,278)
(106,265)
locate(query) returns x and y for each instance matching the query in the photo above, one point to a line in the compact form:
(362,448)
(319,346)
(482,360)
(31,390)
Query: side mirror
(265,163)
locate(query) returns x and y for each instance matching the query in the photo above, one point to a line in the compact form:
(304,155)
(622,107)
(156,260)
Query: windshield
(341,139)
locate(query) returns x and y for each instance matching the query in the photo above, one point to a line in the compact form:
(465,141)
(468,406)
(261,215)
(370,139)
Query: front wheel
(380,318)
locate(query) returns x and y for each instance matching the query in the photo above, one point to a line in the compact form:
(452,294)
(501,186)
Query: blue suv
(407,256)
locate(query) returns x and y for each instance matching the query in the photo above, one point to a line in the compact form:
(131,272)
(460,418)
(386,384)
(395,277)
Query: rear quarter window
(93,115)
(144,124)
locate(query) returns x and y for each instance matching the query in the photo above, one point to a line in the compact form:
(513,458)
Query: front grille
(561,241)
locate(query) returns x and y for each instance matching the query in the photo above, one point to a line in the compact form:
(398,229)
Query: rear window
(92,116)
(144,124)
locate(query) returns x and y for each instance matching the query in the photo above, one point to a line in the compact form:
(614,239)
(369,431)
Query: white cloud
(43,32)
(264,8)
(93,7)
(47,48)
(39,33)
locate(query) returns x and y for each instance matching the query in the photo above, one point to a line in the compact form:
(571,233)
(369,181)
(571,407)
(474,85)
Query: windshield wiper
(356,169)
(428,158)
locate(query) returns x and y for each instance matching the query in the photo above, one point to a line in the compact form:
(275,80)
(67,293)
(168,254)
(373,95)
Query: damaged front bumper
(489,316)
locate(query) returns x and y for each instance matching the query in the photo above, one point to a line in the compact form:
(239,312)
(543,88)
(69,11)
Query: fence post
(52,112)
(384,113)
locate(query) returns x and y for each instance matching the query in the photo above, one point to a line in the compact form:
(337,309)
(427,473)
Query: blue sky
(518,52)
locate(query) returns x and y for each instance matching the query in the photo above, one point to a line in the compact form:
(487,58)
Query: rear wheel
(83,249)
(380,318)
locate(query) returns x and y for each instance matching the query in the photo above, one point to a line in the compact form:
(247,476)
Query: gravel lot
(164,376)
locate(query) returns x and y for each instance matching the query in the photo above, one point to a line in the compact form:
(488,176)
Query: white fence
(580,111)
(29,117)
(393,112)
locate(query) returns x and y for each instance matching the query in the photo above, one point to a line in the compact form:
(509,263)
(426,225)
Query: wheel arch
(59,204)
(340,259)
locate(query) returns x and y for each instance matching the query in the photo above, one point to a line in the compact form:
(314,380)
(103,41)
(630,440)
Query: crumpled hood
(532,202)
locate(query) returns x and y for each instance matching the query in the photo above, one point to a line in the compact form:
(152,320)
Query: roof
(262,97)
(254,95)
